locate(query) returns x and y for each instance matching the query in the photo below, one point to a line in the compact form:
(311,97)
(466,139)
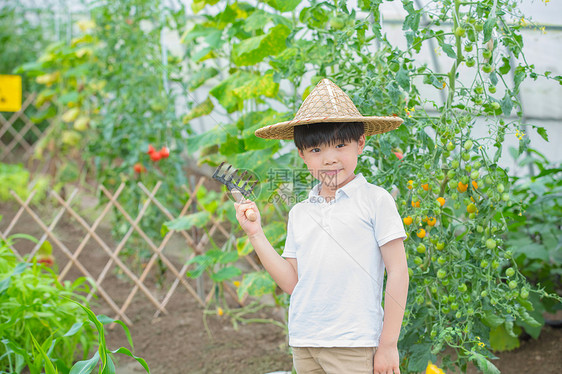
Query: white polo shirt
(337,299)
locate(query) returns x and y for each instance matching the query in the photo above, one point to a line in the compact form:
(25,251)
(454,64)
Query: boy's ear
(361,143)
(301,155)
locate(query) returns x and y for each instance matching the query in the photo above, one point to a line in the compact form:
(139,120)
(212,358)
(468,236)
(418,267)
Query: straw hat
(328,103)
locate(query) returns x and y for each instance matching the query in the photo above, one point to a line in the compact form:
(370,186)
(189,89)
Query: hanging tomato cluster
(155,156)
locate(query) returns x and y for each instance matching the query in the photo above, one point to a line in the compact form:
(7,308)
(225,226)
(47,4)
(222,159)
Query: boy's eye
(314,150)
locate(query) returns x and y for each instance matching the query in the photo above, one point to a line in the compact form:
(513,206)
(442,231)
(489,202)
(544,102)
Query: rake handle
(249,213)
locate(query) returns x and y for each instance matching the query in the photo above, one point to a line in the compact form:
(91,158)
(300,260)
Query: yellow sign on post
(10,93)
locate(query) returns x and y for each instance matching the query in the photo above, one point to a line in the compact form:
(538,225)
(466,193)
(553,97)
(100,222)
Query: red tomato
(151,149)
(164,152)
(139,168)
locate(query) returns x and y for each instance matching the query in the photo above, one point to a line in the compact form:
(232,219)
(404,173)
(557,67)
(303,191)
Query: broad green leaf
(243,246)
(257,20)
(420,355)
(256,284)
(202,109)
(403,78)
(198,219)
(226,273)
(542,132)
(259,85)
(223,92)
(492,320)
(201,77)
(253,50)
(506,67)
(214,136)
(282,5)
(502,340)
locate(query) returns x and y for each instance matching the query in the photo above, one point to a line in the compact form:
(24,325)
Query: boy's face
(333,165)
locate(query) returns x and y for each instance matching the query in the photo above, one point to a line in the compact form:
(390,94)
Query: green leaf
(542,132)
(253,50)
(201,77)
(86,366)
(282,5)
(223,91)
(198,219)
(403,78)
(216,135)
(483,363)
(420,355)
(49,367)
(492,320)
(502,340)
(127,352)
(448,49)
(226,273)
(202,109)
(259,85)
(488,28)
(506,67)
(256,284)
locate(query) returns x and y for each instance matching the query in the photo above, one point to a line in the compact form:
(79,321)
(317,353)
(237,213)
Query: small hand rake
(238,191)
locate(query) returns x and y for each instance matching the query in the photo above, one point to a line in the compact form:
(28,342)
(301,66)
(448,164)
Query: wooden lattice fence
(95,240)
(19,133)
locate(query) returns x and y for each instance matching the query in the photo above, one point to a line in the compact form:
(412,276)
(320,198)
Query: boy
(339,242)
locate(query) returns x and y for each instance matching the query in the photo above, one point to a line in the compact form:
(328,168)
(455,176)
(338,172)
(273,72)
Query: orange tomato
(421,233)
(462,187)
(431,221)
(408,221)
(416,204)
(425,186)
(441,200)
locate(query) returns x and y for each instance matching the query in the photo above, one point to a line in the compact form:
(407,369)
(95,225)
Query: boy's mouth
(331,172)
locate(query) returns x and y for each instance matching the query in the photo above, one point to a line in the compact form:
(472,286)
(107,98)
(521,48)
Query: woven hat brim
(373,125)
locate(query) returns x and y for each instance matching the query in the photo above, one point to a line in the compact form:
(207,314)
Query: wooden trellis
(18,139)
(112,250)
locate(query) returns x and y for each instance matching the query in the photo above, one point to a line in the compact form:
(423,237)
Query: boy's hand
(249,227)
(387,360)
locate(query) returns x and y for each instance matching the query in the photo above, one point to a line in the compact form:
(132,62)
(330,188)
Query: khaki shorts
(336,360)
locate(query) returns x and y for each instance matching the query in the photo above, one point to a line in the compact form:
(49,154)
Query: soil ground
(180,343)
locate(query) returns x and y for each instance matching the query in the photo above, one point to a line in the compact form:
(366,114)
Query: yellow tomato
(410,184)
(471,208)
(421,233)
(431,221)
(475,185)
(433,369)
(416,204)
(441,201)
(408,221)
(462,187)
(425,186)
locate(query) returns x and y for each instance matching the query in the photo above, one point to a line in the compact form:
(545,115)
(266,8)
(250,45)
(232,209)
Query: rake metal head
(233,181)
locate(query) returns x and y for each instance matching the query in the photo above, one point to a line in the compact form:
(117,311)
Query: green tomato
(440,246)
(487,68)
(505,196)
(507,254)
(468,145)
(487,54)
(524,293)
(455,164)
(465,156)
(418,260)
(512,284)
(490,243)
(434,290)
(454,306)
(441,260)
(462,287)
(460,32)
(468,47)
(484,264)
(495,264)
(450,146)
(510,272)
(484,293)
(421,248)
(492,89)
(427,165)
(495,105)
(470,62)
(441,274)
(474,175)
(419,299)
(445,282)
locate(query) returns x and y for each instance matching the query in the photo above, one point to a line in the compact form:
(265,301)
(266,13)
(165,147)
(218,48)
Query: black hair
(313,135)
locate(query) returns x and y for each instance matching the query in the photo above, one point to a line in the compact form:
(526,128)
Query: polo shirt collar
(347,190)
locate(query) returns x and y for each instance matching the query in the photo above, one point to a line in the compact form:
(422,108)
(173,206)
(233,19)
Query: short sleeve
(290,250)
(386,221)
